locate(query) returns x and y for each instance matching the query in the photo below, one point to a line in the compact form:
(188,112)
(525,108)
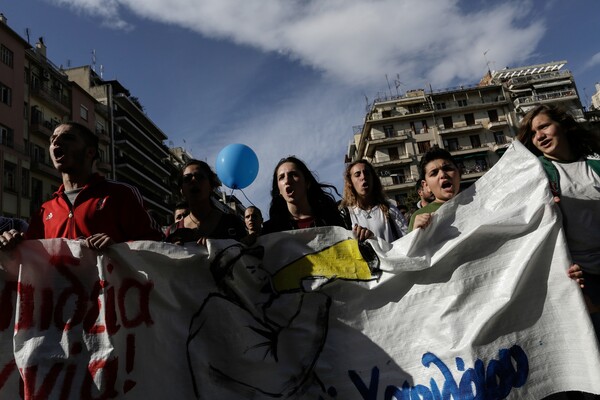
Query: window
(470,119)
(388,130)
(39,154)
(83,112)
(452,144)
(499,138)
(440,106)
(386,113)
(414,109)
(6,55)
(10,176)
(462,102)
(5,94)
(423,146)
(448,124)
(475,141)
(424,123)
(493,115)
(7,136)
(100,128)
(25,182)
(393,153)
(398,176)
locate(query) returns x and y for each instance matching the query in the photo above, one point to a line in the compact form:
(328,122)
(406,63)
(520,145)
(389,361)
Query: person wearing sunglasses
(204,220)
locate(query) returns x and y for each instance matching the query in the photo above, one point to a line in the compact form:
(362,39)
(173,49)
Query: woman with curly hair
(366,209)
(569,154)
(298,200)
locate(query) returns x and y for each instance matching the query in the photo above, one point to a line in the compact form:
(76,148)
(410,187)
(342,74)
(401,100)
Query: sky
(292,77)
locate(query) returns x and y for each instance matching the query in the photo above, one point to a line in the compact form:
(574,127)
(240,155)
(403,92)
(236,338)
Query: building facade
(475,124)
(15,191)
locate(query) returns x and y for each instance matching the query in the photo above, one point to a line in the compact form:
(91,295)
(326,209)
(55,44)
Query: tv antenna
(398,83)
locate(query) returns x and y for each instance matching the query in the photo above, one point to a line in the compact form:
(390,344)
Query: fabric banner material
(476,306)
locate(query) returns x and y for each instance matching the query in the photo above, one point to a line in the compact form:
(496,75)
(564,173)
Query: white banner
(478,305)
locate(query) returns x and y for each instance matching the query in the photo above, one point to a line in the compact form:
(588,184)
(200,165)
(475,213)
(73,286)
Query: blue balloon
(237,166)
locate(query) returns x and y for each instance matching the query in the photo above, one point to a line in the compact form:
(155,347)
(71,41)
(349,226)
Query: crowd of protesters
(102,212)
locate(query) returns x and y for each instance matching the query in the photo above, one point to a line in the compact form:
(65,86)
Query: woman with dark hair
(365,208)
(298,200)
(204,220)
(569,154)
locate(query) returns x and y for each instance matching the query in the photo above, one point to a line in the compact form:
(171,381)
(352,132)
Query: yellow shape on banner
(342,260)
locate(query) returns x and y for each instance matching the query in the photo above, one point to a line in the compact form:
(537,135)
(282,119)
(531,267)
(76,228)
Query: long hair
(320,199)
(583,142)
(351,197)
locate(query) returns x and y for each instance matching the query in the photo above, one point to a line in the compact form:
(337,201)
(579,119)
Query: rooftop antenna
(487,62)
(388,82)
(366,102)
(94,60)
(101,71)
(397,83)
(68,63)
(27,32)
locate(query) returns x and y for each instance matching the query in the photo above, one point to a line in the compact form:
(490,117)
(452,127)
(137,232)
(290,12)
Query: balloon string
(249,201)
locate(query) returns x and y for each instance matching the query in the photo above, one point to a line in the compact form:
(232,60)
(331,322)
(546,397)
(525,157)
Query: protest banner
(476,306)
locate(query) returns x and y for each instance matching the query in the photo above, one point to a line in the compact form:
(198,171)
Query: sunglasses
(199,176)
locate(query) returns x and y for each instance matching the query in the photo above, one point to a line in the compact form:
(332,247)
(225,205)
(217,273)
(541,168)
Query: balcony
(569,94)
(500,123)
(53,96)
(467,150)
(461,127)
(402,160)
(389,184)
(44,168)
(45,128)
(527,80)
(372,144)
(103,135)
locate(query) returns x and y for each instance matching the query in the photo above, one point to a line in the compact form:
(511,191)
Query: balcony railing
(44,90)
(461,127)
(521,80)
(539,98)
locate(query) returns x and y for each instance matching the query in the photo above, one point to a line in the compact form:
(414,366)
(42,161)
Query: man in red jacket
(86,206)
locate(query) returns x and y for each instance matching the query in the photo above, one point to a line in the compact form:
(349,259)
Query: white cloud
(592,62)
(355,41)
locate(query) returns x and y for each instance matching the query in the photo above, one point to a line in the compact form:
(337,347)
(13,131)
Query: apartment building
(549,83)
(138,154)
(15,191)
(474,123)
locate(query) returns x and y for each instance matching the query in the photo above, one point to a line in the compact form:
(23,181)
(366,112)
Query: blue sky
(290,77)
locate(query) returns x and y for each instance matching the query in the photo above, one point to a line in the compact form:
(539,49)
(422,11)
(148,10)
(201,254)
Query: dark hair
(350,199)
(254,208)
(434,153)
(210,174)
(581,141)
(89,138)
(419,184)
(321,201)
(181,205)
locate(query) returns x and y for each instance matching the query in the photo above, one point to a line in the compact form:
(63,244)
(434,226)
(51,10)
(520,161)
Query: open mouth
(446,185)
(58,153)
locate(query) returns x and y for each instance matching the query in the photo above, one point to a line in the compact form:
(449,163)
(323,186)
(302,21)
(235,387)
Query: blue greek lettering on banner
(495,381)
